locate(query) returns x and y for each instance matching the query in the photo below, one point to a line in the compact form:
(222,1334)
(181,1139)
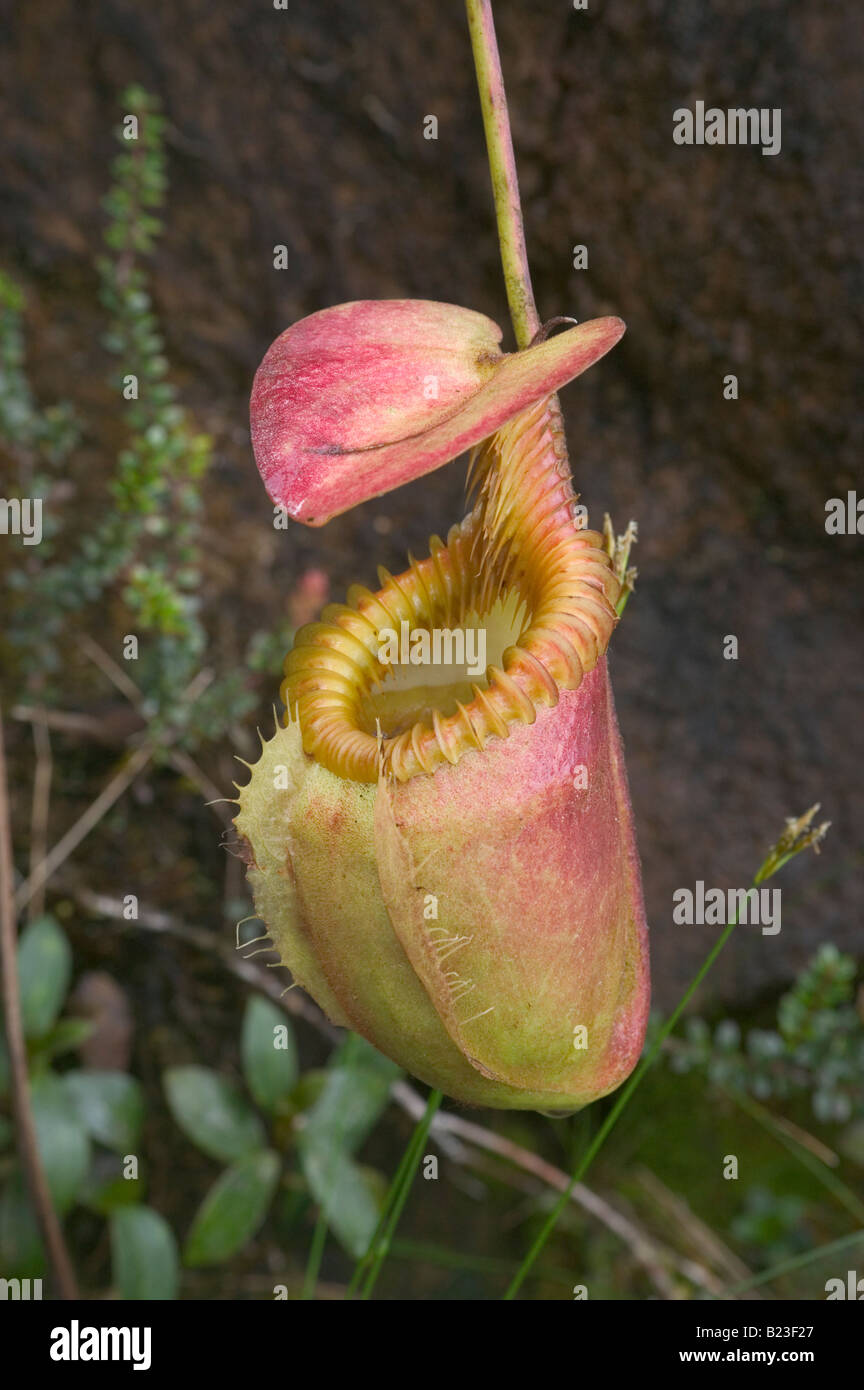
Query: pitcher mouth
(518,567)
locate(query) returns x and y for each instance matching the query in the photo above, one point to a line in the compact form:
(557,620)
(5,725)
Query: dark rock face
(304,128)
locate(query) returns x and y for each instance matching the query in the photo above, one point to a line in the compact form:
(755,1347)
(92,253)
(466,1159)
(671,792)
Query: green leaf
(21,1249)
(356,1092)
(269,1053)
(44,969)
(106,1187)
(233,1209)
(110,1106)
(308,1090)
(212,1113)
(63,1143)
(350,1198)
(144,1258)
(66,1036)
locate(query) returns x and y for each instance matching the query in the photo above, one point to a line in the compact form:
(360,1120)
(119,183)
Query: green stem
(380,1249)
(400,1178)
(363,1263)
(622,602)
(502,167)
(622,1100)
(316,1250)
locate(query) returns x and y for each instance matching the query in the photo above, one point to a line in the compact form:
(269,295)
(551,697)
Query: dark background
(305,127)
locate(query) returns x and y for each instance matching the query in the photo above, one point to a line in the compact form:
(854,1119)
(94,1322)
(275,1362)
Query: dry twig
(103,803)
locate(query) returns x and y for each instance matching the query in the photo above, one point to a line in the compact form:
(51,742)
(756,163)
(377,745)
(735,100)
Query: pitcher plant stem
(502,167)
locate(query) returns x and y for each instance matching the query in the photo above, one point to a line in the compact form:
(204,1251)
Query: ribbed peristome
(520,545)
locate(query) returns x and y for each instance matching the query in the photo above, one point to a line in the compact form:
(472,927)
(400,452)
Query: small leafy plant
(146,549)
(88,1128)
(816,1049)
(286,1139)
(283,1130)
